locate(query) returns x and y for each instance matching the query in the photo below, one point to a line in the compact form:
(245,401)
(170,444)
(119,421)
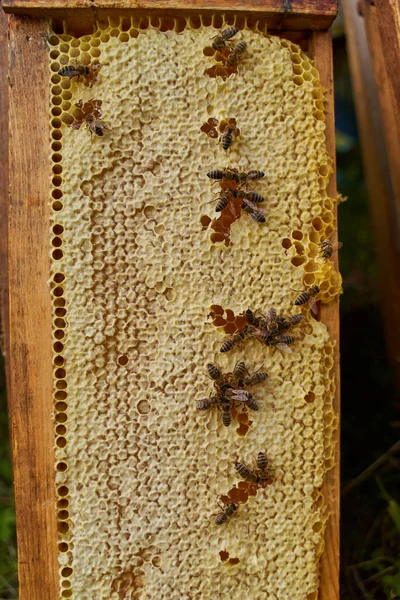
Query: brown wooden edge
(4,328)
(374,49)
(321,51)
(30,310)
(287,14)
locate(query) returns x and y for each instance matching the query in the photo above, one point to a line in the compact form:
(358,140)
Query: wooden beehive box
(112,280)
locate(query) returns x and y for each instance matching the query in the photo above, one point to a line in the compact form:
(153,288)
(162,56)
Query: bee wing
(339,245)
(284,348)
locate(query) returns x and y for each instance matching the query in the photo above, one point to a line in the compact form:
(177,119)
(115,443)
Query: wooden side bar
(321,51)
(288,14)
(30,310)
(374,44)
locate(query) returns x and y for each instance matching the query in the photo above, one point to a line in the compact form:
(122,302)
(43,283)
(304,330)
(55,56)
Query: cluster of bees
(90,112)
(228,53)
(232,182)
(261,474)
(229,390)
(269,329)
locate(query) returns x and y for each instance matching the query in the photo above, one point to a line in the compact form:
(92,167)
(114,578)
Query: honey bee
(226,413)
(223,36)
(232,341)
(253,211)
(223,175)
(94,124)
(252,196)
(239,371)
(236,54)
(256,378)
(246,473)
(260,334)
(228,136)
(207,403)
(328,248)
(245,397)
(264,471)
(304,297)
(227,512)
(224,199)
(282,343)
(74,71)
(250,176)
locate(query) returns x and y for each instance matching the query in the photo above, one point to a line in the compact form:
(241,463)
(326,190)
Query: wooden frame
(30,307)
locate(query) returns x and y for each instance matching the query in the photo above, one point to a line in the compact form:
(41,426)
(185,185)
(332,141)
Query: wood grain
(4,328)
(375,65)
(296,14)
(30,311)
(321,50)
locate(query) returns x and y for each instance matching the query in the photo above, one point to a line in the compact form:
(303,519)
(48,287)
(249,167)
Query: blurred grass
(8,544)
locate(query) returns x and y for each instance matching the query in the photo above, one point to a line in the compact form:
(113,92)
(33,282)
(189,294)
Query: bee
(223,36)
(307,295)
(207,403)
(282,343)
(228,136)
(74,71)
(232,341)
(224,199)
(94,125)
(227,512)
(253,211)
(250,176)
(246,473)
(239,371)
(236,54)
(226,413)
(245,397)
(328,248)
(224,175)
(256,378)
(252,196)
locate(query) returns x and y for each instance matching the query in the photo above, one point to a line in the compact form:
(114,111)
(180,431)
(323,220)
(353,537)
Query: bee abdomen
(245,472)
(240,370)
(286,339)
(255,197)
(216,174)
(227,140)
(251,403)
(226,418)
(222,203)
(262,461)
(213,371)
(255,175)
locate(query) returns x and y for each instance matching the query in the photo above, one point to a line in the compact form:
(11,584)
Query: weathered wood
(4,329)
(321,50)
(296,14)
(30,311)
(374,49)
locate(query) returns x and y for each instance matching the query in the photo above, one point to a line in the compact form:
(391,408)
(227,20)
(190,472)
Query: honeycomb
(139,471)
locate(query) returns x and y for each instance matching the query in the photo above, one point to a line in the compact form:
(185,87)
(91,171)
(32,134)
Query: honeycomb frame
(299,251)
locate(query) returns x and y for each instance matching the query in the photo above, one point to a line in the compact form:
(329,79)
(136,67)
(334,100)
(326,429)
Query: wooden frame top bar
(288,14)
